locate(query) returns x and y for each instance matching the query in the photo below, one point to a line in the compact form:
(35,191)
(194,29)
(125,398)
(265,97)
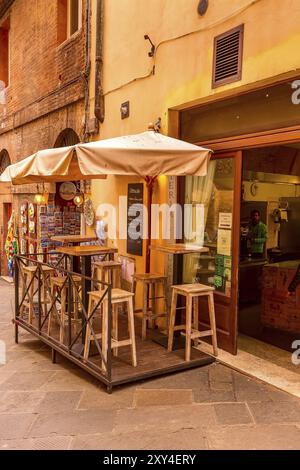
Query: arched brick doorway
(66,138)
(4,160)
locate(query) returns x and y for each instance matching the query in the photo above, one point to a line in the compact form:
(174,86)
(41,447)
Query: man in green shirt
(257,235)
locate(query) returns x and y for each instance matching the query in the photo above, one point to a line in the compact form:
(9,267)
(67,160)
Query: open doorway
(270,246)
(7,211)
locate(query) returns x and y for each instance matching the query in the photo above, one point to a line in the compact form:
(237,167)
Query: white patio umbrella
(146,155)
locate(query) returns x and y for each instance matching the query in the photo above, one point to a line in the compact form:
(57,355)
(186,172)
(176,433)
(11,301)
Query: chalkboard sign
(135,219)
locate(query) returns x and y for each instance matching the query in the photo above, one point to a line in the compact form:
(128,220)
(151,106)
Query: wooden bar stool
(118,296)
(61,284)
(109,272)
(150,283)
(29,273)
(192,293)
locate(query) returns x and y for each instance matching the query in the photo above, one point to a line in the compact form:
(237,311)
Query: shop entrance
(220,194)
(269,296)
(7,211)
(251,263)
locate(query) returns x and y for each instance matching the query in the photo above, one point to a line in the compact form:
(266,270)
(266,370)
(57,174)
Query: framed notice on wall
(135,216)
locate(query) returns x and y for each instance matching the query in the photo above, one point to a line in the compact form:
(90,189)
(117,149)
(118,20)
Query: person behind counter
(257,235)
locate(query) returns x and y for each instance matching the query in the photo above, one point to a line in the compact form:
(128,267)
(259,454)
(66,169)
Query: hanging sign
(67,191)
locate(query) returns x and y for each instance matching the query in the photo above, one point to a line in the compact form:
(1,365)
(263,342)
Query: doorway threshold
(262,361)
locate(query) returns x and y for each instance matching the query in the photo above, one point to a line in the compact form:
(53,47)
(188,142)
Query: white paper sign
(224,242)
(225,220)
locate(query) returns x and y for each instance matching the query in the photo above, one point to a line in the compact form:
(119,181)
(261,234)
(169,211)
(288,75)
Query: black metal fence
(58,313)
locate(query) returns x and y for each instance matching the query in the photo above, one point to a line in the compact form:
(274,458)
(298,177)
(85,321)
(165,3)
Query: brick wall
(279,310)
(46,90)
(44,74)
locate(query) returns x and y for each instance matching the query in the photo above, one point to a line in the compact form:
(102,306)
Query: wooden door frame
(228,339)
(232,145)
(237,155)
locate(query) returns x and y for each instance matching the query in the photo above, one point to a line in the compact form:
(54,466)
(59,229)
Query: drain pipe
(99,97)
(87,68)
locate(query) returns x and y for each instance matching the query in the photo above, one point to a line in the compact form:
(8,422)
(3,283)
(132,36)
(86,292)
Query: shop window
(4,53)
(228,55)
(69,18)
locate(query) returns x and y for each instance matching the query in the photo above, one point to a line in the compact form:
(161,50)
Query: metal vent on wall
(228,54)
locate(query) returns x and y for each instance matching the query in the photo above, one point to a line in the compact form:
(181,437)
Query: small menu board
(135,219)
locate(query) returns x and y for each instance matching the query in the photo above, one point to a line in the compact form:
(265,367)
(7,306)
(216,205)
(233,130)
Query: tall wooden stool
(118,296)
(61,284)
(29,273)
(192,293)
(150,283)
(109,272)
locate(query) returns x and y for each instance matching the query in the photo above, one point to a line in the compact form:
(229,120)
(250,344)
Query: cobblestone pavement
(58,406)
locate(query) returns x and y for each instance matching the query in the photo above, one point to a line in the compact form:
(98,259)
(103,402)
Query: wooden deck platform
(153,358)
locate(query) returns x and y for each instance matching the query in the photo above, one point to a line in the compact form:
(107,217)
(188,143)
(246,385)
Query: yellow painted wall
(183,61)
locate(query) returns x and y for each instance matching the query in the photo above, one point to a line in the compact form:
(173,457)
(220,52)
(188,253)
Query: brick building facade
(43,84)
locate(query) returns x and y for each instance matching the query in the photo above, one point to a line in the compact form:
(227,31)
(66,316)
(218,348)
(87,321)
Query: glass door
(219,193)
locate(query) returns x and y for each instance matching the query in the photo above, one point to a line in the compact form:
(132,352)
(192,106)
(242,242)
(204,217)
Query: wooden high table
(85,253)
(73,239)
(177,250)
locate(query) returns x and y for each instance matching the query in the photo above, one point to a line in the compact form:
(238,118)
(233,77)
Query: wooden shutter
(228,55)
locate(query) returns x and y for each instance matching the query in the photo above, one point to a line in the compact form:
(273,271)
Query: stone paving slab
(283,412)
(257,437)
(192,379)
(160,439)
(152,397)
(213,396)
(26,381)
(15,426)
(66,380)
(153,417)
(99,398)
(233,413)
(72,423)
(56,402)
(20,402)
(49,443)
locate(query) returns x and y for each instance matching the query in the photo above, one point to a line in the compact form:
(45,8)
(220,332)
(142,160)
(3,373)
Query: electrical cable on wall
(166,41)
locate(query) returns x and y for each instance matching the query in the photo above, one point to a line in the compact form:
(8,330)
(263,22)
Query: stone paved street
(57,406)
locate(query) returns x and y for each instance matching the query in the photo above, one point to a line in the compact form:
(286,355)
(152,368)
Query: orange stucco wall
(183,61)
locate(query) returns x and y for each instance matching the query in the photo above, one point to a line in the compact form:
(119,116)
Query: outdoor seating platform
(153,359)
(110,355)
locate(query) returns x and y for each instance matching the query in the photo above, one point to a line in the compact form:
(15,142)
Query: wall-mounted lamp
(78,200)
(40,197)
(202,7)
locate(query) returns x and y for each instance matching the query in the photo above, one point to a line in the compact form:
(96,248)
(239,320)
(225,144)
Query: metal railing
(39,304)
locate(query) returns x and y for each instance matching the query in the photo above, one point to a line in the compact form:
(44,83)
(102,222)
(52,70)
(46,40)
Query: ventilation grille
(228,52)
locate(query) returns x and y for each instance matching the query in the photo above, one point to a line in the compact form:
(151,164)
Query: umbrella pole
(150,184)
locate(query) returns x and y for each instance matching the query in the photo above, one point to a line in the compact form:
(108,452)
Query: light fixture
(78,200)
(40,198)
(202,7)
